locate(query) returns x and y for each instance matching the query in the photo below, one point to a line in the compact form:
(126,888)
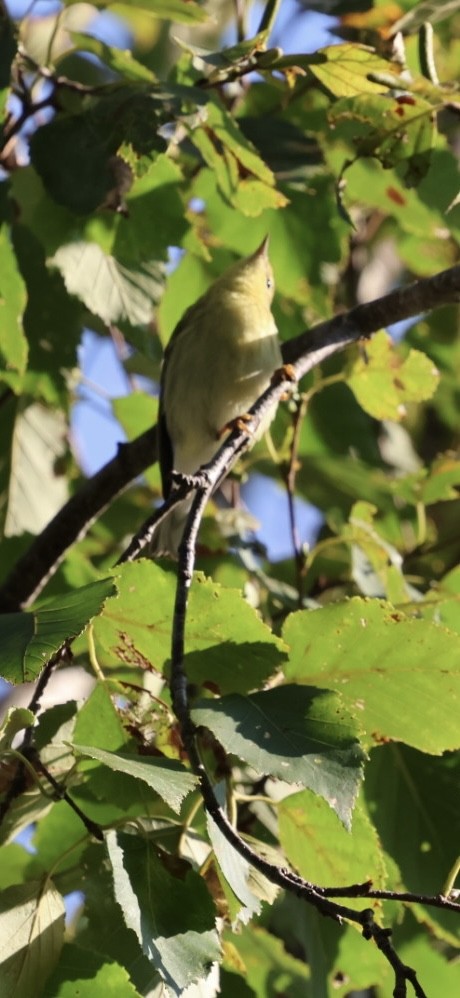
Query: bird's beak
(262,251)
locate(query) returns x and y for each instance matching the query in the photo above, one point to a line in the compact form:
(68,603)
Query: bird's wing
(191,320)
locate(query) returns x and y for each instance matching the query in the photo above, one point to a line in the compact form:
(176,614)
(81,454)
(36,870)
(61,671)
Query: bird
(220,358)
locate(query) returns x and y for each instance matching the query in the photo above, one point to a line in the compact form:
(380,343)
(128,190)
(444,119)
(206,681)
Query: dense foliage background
(327,684)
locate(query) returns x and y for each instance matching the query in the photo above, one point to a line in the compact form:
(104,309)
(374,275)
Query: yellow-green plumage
(220,358)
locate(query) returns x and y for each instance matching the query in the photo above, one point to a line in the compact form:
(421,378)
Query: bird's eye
(269,282)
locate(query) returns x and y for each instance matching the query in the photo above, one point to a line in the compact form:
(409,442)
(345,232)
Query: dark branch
(38,564)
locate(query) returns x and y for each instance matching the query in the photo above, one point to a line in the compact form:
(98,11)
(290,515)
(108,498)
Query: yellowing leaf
(383,380)
(242,176)
(394,129)
(346,69)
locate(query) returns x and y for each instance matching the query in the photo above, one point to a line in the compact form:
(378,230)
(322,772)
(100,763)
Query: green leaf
(437,970)
(168,907)
(31,934)
(15,860)
(38,488)
(450,600)
(384,380)
(156,215)
(98,723)
(242,176)
(136,412)
(397,675)
(59,843)
(442,481)
(16,718)
(228,645)
(119,61)
(13,345)
(400,781)
(49,310)
(322,850)
(165,776)
(299,734)
(243,885)
(421,213)
(82,972)
(267,966)
(109,289)
(30,639)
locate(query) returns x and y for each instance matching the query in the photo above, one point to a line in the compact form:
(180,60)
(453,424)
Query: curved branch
(33,570)
(305,351)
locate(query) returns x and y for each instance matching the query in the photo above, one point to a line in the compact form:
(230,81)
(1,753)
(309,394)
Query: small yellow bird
(220,358)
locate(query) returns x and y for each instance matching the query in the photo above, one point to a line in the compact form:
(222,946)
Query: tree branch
(33,570)
(203,486)
(38,564)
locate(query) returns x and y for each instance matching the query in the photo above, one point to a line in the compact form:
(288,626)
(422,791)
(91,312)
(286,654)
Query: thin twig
(290,480)
(61,794)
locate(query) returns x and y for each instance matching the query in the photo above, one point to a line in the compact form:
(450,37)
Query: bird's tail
(168,535)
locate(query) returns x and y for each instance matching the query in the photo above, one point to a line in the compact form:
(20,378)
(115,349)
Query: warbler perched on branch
(220,358)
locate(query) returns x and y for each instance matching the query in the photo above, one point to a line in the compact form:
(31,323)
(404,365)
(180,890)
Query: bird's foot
(284,373)
(198,480)
(240,423)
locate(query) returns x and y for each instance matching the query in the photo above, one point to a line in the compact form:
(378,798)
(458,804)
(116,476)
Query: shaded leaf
(168,907)
(49,311)
(424,790)
(109,289)
(165,776)
(13,345)
(299,734)
(38,487)
(119,61)
(76,154)
(267,966)
(30,639)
